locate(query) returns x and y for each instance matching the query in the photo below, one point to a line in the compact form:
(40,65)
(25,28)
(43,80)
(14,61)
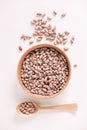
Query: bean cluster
(27,108)
(44,71)
(43,30)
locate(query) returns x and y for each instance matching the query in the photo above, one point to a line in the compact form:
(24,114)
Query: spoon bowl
(35,105)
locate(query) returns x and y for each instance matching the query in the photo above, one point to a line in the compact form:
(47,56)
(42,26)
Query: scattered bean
(63,15)
(75,66)
(66,49)
(54,13)
(20,48)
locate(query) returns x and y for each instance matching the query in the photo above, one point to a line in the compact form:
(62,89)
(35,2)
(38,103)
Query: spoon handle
(72,107)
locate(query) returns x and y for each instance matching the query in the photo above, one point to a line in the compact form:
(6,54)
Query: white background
(15,16)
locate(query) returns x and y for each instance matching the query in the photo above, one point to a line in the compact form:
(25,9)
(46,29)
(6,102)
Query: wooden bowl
(22,59)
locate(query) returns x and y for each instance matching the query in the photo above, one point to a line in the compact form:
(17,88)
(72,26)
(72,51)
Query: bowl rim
(22,59)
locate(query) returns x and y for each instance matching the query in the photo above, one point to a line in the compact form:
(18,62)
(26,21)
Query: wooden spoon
(36,107)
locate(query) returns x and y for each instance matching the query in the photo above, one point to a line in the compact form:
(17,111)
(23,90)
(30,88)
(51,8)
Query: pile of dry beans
(27,108)
(44,71)
(43,30)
